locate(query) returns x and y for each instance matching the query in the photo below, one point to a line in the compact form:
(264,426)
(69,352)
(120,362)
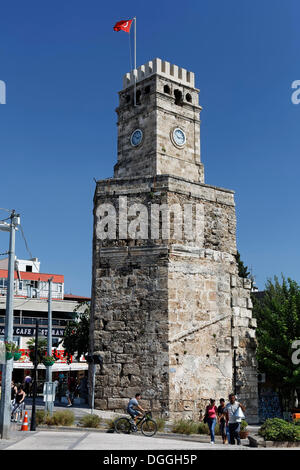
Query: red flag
(124,25)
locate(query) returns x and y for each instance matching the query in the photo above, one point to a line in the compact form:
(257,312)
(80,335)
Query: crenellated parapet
(160,67)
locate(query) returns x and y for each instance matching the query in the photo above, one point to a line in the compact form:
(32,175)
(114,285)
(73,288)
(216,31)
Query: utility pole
(49,404)
(33,420)
(5,409)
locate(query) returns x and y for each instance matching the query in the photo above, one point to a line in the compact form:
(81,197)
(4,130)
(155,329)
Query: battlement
(160,67)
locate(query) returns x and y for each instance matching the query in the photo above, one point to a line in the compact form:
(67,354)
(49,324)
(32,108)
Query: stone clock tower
(170,315)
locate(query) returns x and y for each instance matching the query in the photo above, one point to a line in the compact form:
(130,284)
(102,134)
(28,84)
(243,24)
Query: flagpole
(134,72)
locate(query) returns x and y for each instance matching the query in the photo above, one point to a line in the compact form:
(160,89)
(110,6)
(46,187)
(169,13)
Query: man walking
(234,422)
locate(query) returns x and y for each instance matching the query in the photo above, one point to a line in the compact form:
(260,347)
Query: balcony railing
(31,321)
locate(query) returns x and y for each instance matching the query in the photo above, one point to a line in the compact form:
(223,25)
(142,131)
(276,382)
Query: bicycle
(126,425)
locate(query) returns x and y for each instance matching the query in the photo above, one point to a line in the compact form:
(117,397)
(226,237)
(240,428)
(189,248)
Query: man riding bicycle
(133,407)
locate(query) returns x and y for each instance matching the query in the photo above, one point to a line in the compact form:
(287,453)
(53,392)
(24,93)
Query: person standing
(211,418)
(222,420)
(19,403)
(27,384)
(234,422)
(71,391)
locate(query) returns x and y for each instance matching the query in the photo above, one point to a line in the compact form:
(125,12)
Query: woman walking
(211,418)
(222,419)
(19,404)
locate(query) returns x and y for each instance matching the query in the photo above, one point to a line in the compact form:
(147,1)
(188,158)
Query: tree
(243,270)
(278,325)
(41,349)
(76,336)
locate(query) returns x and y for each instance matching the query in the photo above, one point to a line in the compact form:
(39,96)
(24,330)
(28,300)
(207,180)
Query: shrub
(90,421)
(110,423)
(60,418)
(185,427)
(40,416)
(160,424)
(244,425)
(203,428)
(276,429)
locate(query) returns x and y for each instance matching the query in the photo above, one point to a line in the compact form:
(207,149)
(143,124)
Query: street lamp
(7,368)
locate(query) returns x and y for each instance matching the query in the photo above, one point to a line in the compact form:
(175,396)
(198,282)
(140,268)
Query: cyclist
(133,407)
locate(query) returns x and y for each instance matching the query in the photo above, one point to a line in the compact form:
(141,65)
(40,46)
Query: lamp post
(7,368)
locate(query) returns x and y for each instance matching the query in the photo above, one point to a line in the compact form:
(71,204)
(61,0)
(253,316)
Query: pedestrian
(211,418)
(13,393)
(27,384)
(19,405)
(234,421)
(71,391)
(222,420)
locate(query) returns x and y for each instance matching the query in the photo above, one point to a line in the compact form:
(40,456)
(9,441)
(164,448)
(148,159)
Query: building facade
(170,315)
(31,290)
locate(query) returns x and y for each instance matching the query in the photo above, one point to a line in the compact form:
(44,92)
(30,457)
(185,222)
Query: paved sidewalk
(82,440)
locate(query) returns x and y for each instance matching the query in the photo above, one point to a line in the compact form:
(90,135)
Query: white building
(31,289)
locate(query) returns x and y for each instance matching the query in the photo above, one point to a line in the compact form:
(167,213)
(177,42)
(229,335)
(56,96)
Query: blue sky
(63,66)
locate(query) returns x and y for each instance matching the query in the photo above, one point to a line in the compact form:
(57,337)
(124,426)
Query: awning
(57,367)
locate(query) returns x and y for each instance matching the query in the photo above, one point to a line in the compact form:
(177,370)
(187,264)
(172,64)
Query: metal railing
(31,321)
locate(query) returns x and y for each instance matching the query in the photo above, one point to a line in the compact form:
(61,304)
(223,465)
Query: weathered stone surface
(169,312)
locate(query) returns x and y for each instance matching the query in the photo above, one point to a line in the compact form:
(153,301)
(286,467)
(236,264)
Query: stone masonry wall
(167,315)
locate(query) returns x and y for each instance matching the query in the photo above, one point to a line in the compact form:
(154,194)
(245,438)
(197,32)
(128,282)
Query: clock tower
(170,315)
(161,134)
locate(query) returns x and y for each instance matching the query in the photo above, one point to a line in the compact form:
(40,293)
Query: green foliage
(90,421)
(161,423)
(41,349)
(276,429)
(60,418)
(244,425)
(110,423)
(203,428)
(40,417)
(11,347)
(278,325)
(76,336)
(243,270)
(185,427)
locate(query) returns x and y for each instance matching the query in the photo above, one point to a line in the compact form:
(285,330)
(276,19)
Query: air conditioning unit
(261,378)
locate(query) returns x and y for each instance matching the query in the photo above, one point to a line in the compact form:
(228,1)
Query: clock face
(179,137)
(136,137)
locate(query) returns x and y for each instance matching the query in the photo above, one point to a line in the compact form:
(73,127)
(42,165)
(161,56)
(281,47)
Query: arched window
(178,97)
(167,89)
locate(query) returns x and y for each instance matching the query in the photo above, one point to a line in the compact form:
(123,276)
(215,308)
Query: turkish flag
(124,25)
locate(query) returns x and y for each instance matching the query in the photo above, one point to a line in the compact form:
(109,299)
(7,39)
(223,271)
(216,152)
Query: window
(178,97)
(28,268)
(138,97)
(147,89)
(188,97)
(167,89)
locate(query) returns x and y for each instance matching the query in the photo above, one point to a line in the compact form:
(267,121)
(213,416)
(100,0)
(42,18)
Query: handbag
(239,414)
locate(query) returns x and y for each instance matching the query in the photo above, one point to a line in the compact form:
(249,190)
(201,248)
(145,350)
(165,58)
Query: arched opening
(178,97)
(138,97)
(188,97)
(167,89)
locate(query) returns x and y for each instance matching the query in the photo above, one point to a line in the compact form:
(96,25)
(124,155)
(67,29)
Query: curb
(256,441)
